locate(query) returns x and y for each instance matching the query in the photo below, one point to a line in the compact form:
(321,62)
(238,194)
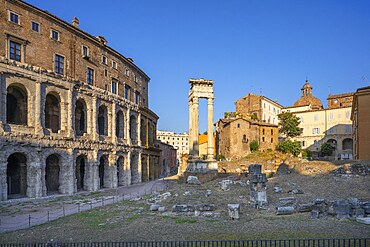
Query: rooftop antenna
(364,78)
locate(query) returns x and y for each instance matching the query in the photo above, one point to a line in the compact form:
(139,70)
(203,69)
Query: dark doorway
(52,113)
(80,172)
(52,172)
(16,105)
(17,175)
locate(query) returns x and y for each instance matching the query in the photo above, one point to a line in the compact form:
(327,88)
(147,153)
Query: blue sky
(259,46)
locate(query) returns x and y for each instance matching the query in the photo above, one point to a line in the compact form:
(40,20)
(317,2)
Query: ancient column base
(202,166)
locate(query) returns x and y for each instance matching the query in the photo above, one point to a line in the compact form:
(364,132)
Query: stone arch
(80,171)
(333,143)
(16,175)
(143,131)
(52,112)
(80,117)
(120,126)
(347,144)
(103,171)
(103,120)
(120,170)
(133,128)
(16,104)
(52,173)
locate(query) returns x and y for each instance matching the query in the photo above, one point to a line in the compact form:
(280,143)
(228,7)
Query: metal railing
(334,242)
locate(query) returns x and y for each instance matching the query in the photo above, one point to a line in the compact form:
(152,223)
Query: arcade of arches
(59,139)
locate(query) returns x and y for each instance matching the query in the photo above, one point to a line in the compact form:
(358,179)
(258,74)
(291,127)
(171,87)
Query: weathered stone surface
(366,206)
(357,212)
(208,193)
(255,169)
(315,214)
(205,207)
(162,209)
(278,189)
(296,191)
(225,184)
(365,220)
(193,180)
(182,208)
(287,201)
(234,211)
(187,193)
(341,209)
(302,208)
(154,207)
(286,210)
(241,183)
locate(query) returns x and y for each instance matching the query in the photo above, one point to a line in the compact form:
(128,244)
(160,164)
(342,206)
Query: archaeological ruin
(200,89)
(74,112)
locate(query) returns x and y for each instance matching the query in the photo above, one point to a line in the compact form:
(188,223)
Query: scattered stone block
(193,180)
(165,195)
(187,193)
(208,193)
(366,206)
(182,208)
(315,214)
(308,207)
(162,209)
(364,220)
(234,211)
(205,207)
(154,207)
(357,212)
(241,183)
(287,201)
(341,209)
(285,210)
(278,189)
(296,191)
(196,213)
(225,184)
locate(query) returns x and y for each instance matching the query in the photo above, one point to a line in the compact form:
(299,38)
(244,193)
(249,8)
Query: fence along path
(353,242)
(40,216)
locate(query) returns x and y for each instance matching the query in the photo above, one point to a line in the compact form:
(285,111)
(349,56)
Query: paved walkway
(25,212)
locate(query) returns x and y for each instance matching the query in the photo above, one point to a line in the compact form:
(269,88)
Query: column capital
(195,100)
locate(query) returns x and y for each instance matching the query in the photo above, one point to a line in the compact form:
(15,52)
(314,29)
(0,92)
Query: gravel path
(26,212)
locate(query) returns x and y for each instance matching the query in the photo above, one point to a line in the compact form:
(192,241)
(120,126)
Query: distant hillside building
(361,123)
(262,107)
(320,125)
(234,135)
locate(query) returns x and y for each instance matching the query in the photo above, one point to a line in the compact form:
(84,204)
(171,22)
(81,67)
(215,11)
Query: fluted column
(210,143)
(195,128)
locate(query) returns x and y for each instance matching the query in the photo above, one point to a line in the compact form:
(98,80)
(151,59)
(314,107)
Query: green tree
(289,125)
(326,149)
(254,116)
(289,146)
(254,146)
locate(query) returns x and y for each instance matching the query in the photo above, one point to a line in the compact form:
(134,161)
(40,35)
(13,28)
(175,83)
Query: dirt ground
(132,220)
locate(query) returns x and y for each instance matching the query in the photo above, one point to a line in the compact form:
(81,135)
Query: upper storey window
(127,73)
(137,97)
(85,51)
(13,17)
(55,35)
(59,64)
(127,91)
(35,26)
(15,51)
(114,64)
(104,59)
(114,87)
(90,76)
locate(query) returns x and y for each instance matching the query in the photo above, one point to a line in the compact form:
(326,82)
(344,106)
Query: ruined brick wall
(340,100)
(58,125)
(250,104)
(268,137)
(39,49)
(363,123)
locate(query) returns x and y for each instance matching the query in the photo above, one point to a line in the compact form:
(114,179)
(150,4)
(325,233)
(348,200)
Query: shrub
(290,147)
(306,153)
(220,157)
(254,146)
(326,149)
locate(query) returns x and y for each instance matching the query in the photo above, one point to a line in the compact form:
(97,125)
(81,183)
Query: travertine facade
(262,107)
(361,123)
(320,125)
(73,112)
(234,135)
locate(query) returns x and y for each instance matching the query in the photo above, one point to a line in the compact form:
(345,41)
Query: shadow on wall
(340,138)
